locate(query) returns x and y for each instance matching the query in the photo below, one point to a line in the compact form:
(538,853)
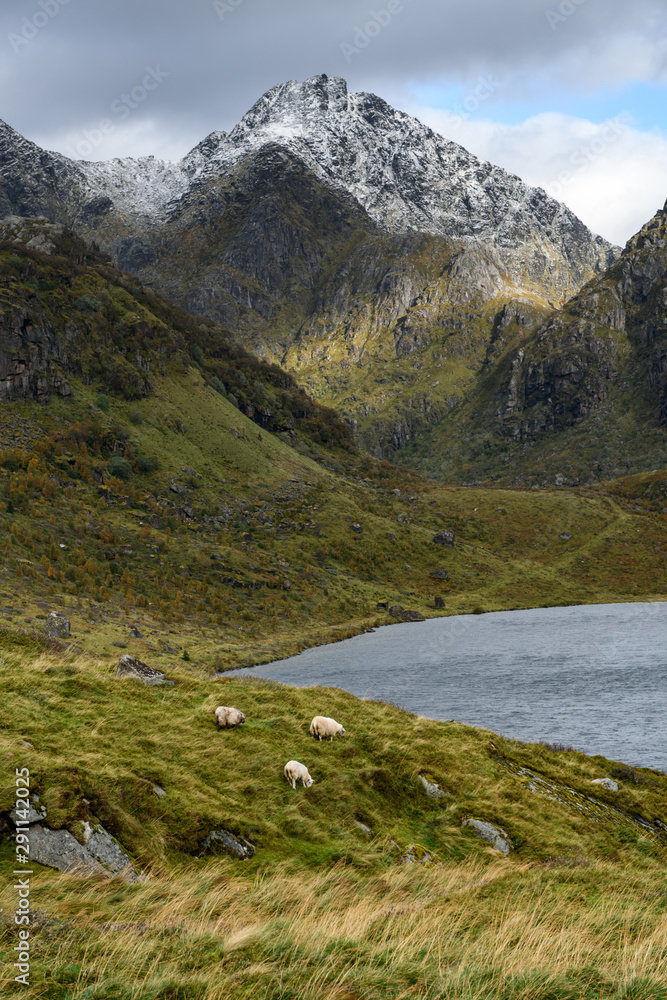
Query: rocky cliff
(584,394)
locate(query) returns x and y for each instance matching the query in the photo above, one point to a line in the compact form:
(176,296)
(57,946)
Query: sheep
(294,771)
(321,727)
(227,717)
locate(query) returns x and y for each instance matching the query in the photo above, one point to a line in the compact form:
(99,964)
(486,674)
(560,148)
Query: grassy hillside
(324,909)
(154,475)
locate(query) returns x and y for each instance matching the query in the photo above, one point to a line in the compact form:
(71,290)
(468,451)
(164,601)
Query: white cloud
(611,174)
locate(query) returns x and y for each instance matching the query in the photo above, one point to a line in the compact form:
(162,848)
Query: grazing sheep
(321,727)
(227,717)
(294,771)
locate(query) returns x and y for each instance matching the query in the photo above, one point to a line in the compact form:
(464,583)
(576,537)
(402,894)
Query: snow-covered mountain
(407,177)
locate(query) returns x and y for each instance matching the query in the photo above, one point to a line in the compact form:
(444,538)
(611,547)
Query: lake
(594,676)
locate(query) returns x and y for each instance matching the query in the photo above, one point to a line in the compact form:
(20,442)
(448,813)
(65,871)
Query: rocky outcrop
(130,666)
(224,842)
(493,835)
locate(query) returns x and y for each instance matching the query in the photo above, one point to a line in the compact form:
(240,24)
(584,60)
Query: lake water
(593,676)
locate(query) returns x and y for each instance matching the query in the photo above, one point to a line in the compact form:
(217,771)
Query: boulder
(565,535)
(136,634)
(356,528)
(59,849)
(493,835)
(440,574)
(438,602)
(104,849)
(432,788)
(223,840)
(57,625)
(382,605)
(607,783)
(404,614)
(130,666)
(444,537)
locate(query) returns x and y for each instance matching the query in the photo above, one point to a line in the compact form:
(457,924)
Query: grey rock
(57,625)
(607,783)
(404,614)
(59,849)
(432,788)
(130,666)
(31,814)
(364,829)
(227,843)
(565,535)
(356,528)
(382,605)
(167,648)
(444,537)
(438,602)
(495,836)
(177,488)
(101,845)
(440,574)
(136,634)
(160,792)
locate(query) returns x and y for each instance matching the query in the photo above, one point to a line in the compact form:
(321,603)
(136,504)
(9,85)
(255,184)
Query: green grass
(321,908)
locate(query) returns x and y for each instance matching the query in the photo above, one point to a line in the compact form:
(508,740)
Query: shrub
(87,303)
(102,402)
(219,386)
(120,467)
(136,416)
(197,354)
(233,400)
(147,464)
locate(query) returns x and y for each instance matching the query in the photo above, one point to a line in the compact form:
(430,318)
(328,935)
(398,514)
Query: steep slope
(584,396)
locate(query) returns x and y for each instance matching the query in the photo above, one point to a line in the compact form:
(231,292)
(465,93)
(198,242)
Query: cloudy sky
(569,94)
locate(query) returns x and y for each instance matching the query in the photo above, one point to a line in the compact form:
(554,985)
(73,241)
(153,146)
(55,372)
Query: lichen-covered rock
(493,835)
(444,537)
(57,626)
(608,783)
(130,666)
(226,843)
(415,854)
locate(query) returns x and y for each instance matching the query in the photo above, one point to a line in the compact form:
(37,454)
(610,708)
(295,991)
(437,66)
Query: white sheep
(322,726)
(227,717)
(294,771)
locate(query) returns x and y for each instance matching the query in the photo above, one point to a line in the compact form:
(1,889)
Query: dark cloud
(217,58)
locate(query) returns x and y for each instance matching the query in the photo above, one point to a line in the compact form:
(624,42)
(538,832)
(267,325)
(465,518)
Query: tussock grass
(321,910)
